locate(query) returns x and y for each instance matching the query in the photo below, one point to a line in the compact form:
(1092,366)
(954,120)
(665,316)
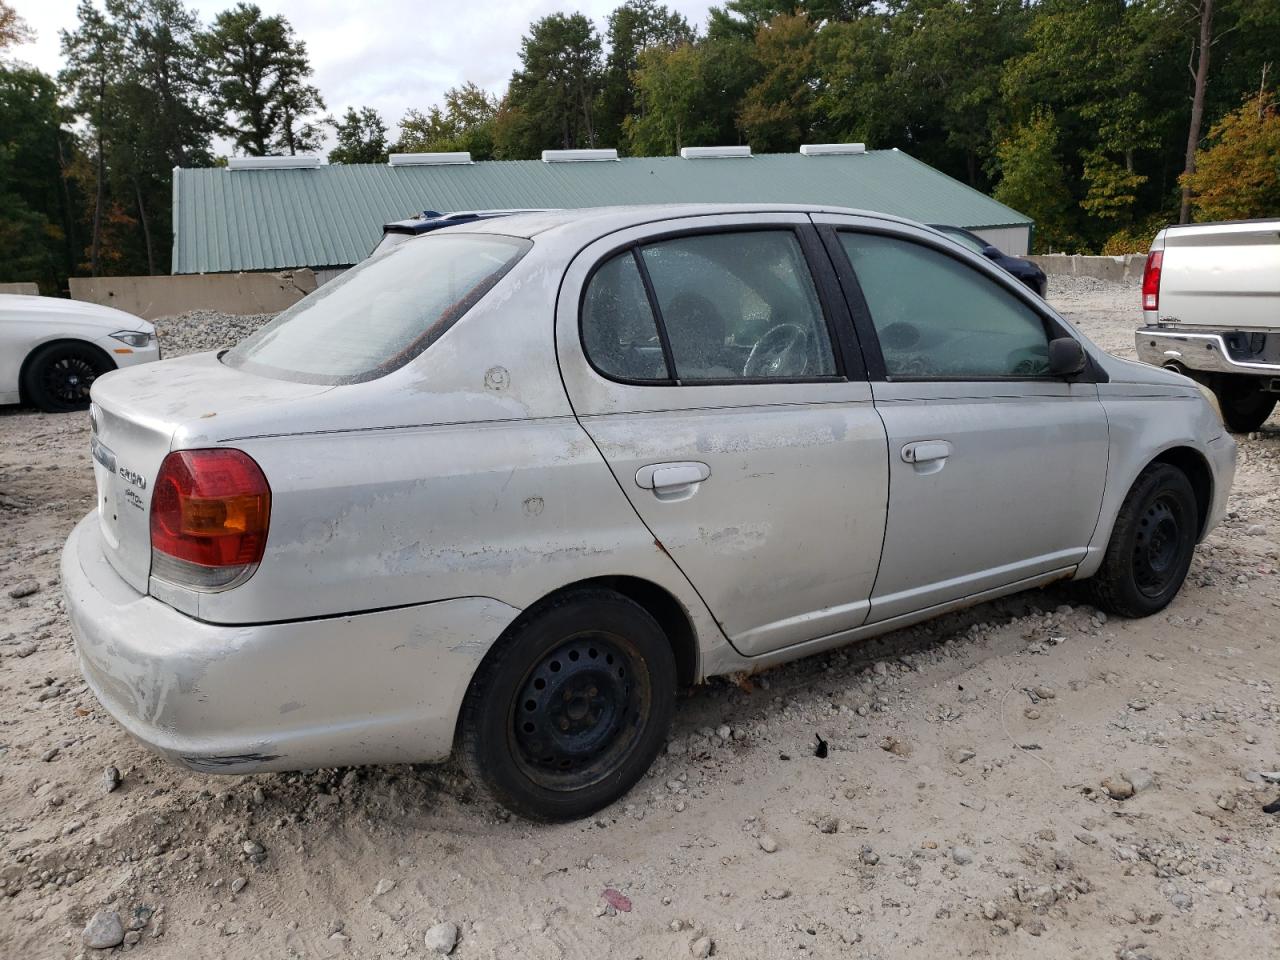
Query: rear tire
(1151,544)
(1245,407)
(58,376)
(570,708)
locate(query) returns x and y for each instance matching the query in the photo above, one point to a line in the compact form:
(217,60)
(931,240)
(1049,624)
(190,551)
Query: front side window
(939,319)
(381,314)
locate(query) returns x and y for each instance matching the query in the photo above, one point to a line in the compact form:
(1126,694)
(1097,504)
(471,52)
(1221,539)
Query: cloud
(388,54)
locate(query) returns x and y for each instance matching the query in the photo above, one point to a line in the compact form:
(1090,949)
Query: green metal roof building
(290,212)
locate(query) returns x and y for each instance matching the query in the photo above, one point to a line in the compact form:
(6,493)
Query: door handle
(668,476)
(923,451)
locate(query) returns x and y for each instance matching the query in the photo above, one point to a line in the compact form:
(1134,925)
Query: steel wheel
(580,709)
(1157,546)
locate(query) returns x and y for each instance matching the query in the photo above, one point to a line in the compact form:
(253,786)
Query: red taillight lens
(209,516)
(1151,280)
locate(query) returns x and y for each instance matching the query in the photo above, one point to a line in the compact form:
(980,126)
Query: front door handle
(666,477)
(922,451)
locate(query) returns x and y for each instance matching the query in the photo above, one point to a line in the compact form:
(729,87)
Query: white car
(505,488)
(51,350)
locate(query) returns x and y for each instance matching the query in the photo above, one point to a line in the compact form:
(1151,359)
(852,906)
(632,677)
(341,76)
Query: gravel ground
(969,804)
(202,330)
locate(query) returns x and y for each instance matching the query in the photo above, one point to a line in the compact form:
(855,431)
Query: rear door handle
(922,451)
(668,476)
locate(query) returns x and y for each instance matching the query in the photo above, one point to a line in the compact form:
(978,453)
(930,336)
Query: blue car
(1024,270)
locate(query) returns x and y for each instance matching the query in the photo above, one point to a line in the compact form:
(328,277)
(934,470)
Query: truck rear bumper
(1199,350)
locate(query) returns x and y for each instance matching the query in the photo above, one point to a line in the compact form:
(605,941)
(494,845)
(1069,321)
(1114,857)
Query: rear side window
(732,307)
(939,319)
(619,332)
(381,314)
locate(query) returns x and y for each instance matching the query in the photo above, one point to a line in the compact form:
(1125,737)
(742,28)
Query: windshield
(380,314)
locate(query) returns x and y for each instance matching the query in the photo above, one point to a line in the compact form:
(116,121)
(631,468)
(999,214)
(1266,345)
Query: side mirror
(1066,357)
(991,253)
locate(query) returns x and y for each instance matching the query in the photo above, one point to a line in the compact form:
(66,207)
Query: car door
(996,468)
(715,371)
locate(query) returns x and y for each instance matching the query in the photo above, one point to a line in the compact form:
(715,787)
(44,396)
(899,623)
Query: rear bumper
(380,687)
(1199,350)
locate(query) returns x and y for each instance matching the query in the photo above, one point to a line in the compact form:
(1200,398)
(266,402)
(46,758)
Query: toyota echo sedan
(503,490)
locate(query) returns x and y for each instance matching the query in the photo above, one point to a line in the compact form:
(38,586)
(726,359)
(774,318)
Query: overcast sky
(387,54)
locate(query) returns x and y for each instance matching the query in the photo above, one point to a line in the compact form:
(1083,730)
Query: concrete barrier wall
(24,288)
(1116,269)
(236,293)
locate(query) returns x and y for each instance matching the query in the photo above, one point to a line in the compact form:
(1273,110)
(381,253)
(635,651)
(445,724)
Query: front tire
(1151,544)
(570,708)
(1245,407)
(58,376)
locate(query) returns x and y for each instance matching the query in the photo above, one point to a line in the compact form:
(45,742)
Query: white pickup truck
(1211,302)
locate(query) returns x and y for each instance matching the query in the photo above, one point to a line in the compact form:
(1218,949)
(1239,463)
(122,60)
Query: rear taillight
(1151,280)
(209,516)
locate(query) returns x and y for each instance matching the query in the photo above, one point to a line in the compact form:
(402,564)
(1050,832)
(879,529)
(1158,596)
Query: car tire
(1151,544)
(1245,407)
(58,376)
(570,708)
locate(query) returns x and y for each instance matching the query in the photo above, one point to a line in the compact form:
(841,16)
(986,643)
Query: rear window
(381,314)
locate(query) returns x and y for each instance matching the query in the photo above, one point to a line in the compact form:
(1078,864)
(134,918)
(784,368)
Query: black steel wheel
(1151,544)
(57,378)
(570,707)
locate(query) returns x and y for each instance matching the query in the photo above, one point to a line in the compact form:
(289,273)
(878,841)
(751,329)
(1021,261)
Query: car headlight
(134,338)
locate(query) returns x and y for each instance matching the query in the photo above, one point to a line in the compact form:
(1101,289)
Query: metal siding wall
(1015,241)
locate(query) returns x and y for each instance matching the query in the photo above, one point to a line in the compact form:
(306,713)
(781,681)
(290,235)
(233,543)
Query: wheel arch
(57,342)
(1197,470)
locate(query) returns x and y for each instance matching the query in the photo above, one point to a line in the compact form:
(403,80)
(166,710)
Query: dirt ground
(960,810)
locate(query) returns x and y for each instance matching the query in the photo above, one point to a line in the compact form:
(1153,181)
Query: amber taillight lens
(209,516)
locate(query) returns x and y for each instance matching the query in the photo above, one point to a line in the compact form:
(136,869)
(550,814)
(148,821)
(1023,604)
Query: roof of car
(601,220)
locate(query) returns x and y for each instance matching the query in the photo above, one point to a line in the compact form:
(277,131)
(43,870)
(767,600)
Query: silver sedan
(503,490)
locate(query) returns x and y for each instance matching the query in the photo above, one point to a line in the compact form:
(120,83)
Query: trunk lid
(136,414)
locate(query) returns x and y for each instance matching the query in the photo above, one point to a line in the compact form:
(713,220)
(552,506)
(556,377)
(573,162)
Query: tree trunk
(73,250)
(1197,104)
(146,229)
(97,205)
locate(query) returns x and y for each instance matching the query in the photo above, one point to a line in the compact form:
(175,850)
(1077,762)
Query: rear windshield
(380,314)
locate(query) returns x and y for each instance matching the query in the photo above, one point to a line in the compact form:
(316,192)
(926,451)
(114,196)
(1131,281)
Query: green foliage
(1034,181)
(777,112)
(261,71)
(669,92)
(634,28)
(550,102)
(34,219)
(1112,189)
(466,122)
(1237,176)
(361,136)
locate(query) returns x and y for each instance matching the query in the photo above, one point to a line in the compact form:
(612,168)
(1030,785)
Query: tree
(93,53)
(634,28)
(669,90)
(551,98)
(465,122)
(1033,180)
(362,137)
(1237,176)
(1204,45)
(13,29)
(37,206)
(777,112)
(262,73)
